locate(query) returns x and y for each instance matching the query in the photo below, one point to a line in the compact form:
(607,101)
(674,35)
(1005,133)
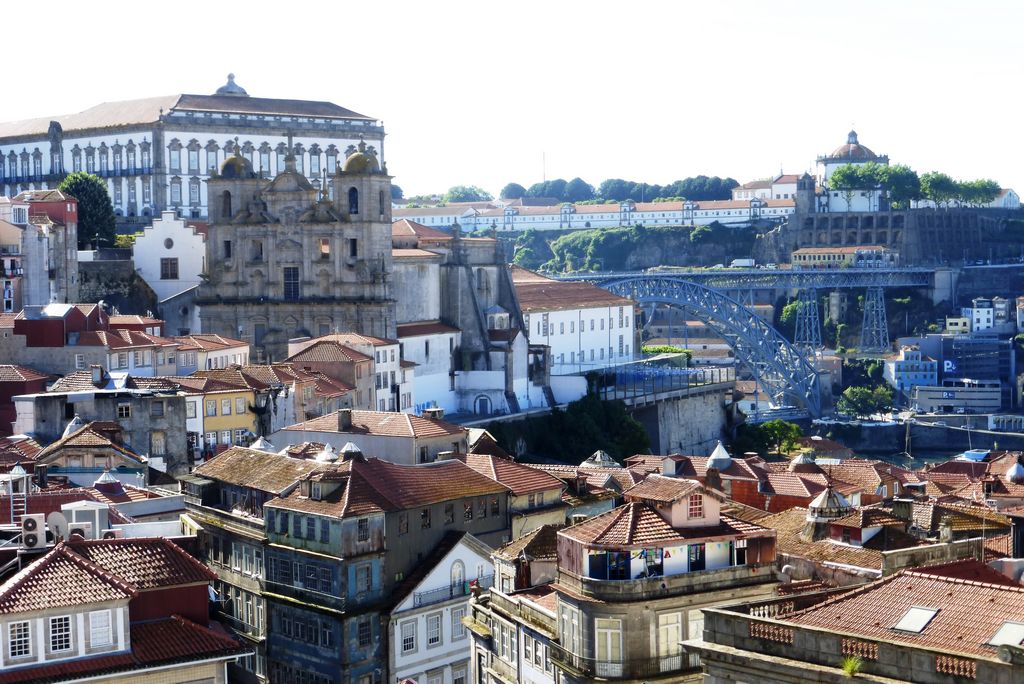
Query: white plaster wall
(187,246)
(592,330)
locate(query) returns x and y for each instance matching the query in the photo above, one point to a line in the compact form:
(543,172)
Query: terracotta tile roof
(519,478)
(969,569)
(541,543)
(544,596)
(696,467)
(407,228)
(240,376)
(132,319)
(327,351)
(427,483)
(81,381)
(350,338)
(801,485)
(869,517)
(179,639)
(636,524)
(144,563)
(661,489)
(88,437)
(59,579)
(374,485)
(12,373)
(482,442)
(968,612)
(20,446)
(790,523)
(383,423)
(555,295)
(620,479)
(304,450)
(253,469)
(209,342)
(121,340)
(413,253)
(424,328)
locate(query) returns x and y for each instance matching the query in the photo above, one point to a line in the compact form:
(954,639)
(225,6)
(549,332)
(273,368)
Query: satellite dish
(58,525)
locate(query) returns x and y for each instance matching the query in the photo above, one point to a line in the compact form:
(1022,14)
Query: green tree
(787,319)
(977,192)
(902,182)
(396,192)
(466,193)
(512,191)
(578,190)
(781,435)
(846,180)
(864,401)
(95,211)
(938,187)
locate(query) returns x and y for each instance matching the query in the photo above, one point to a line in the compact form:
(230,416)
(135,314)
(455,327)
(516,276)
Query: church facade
(285,259)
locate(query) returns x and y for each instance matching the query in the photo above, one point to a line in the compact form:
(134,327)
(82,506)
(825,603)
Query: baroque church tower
(285,259)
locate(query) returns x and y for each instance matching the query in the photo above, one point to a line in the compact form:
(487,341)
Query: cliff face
(634,248)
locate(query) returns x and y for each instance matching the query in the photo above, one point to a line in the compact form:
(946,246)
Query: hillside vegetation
(633,248)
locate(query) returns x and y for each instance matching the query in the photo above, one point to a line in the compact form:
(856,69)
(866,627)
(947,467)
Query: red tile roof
(968,612)
(406,228)
(254,469)
(383,423)
(327,351)
(541,543)
(661,489)
(519,478)
(209,342)
(145,563)
(12,373)
(60,579)
(425,328)
(636,524)
(88,437)
(538,294)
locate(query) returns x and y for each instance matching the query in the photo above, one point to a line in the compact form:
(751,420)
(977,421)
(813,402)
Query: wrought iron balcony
(633,668)
(426,598)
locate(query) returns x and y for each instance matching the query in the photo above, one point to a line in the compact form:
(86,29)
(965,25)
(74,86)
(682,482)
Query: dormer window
(695,506)
(60,633)
(315,492)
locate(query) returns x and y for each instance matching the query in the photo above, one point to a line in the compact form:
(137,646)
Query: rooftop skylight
(915,619)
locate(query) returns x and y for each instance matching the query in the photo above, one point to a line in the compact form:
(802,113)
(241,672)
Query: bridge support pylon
(808,325)
(874,333)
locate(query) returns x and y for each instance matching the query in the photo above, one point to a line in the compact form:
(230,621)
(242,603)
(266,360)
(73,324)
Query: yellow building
(217,414)
(874,256)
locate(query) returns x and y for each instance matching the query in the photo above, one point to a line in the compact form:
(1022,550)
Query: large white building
(156,153)
(585,326)
(566,216)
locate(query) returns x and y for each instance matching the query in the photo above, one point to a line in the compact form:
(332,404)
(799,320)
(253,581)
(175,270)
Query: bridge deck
(765,279)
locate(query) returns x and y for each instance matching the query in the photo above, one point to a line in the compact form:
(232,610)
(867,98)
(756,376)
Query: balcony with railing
(693,582)
(633,668)
(441,594)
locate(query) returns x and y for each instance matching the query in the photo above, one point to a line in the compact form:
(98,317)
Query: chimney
(97,375)
(344,420)
(41,476)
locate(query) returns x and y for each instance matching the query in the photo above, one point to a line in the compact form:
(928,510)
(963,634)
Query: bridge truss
(774,362)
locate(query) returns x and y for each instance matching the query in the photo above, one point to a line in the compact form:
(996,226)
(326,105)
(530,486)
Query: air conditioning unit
(83,529)
(33,531)
(112,534)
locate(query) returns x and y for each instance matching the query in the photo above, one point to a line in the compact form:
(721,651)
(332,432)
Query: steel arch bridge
(780,366)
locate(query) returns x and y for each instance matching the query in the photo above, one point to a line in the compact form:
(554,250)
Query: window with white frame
(225,407)
(19,639)
(696,506)
(60,633)
(433,630)
(408,636)
(211,407)
(458,629)
(100,632)
(79,361)
(240,405)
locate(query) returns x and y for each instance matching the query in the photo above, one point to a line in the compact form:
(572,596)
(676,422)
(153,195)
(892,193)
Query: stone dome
(232,88)
(237,166)
(852,150)
(361,161)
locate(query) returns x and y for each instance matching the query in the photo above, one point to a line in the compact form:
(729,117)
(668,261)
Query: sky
(486,93)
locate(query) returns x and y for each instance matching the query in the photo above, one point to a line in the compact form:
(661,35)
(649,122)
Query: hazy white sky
(480,92)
